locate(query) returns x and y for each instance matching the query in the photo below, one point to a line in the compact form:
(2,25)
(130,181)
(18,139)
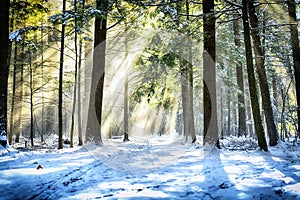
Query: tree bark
(60,90)
(262,77)
(126,102)
(79,111)
(31,101)
(93,131)
(252,82)
(126,110)
(190,76)
(75,77)
(295,52)
(242,130)
(211,134)
(4,68)
(13,98)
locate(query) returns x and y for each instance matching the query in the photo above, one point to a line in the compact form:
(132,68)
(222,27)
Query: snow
(156,167)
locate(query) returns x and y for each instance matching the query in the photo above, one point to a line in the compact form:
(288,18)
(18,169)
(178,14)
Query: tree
(126,102)
(262,77)
(209,75)
(93,131)
(240,80)
(190,81)
(4,68)
(295,52)
(251,79)
(75,74)
(60,89)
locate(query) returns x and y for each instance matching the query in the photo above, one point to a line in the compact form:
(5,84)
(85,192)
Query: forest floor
(152,168)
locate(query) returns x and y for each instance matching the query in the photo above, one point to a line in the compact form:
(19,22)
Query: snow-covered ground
(151,168)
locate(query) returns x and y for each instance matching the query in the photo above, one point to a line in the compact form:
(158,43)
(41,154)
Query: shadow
(286,175)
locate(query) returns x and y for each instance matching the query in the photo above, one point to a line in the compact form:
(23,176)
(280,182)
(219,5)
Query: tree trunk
(75,78)
(4,68)
(42,83)
(80,139)
(93,131)
(126,107)
(228,111)
(184,99)
(60,90)
(126,110)
(242,130)
(252,82)
(190,77)
(19,91)
(262,77)
(12,108)
(31,101)
(79,112)
(211,135)
(296,53)
(222,113)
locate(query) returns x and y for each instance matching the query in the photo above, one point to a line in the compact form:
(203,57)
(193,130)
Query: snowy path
(155,168)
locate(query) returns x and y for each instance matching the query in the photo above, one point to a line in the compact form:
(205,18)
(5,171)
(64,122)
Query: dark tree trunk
(31,100)
(262,77)
(211,135)
(190,77)
(252,82)
(296,53)
(126,102)
(75,78)
(42,83)
(242,130)
(222,113)
(79,113)
(60,90)
(4,69)
(93,131)
(126,110)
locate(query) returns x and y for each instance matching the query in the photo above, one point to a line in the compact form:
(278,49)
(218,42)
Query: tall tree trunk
(93,131)
(190,76)
(126,107)
(60,90)
(12,108)
(183,81)
(126,111)
(4,68)
(211,134)
(19,91)
(42,82)
(296,53)
(79,112)
(229,111)
(75,78)
(222,113)
(242,130)
(252,82)
(184,99)
(31,101)
(262,77)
